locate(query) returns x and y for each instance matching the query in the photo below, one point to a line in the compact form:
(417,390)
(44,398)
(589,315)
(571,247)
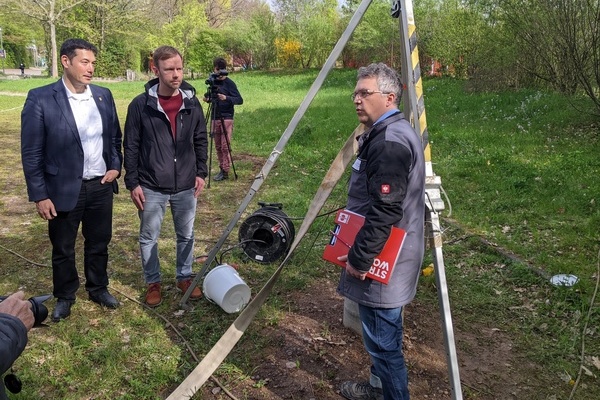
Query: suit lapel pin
(100,98)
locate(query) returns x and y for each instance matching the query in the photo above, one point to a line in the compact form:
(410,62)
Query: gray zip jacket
(387,186)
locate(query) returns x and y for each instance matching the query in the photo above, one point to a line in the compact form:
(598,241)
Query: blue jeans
(183,209)
(382,337)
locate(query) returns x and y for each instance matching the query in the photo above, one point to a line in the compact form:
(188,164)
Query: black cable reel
(267,234)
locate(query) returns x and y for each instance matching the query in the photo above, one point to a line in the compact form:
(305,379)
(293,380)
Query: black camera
(212,78)
(213,84)
(40,311)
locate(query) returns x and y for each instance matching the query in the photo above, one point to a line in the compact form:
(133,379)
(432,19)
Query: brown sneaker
(185,284)
(153,297)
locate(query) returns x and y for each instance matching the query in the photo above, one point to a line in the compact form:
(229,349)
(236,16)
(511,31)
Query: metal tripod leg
(434,236)
(208,118)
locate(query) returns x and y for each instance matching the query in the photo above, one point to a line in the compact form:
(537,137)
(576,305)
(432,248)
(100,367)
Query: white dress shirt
(89,125)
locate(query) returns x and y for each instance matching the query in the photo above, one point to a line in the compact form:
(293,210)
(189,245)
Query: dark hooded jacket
(154,157)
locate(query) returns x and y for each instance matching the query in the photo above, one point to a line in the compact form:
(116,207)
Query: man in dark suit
(71,153)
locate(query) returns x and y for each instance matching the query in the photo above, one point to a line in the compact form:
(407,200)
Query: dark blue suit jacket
(51,149)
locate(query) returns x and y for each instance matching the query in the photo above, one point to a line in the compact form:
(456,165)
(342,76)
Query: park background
(514,139)
(553,44)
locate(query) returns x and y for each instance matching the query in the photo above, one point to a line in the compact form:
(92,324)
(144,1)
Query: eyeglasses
(363,93)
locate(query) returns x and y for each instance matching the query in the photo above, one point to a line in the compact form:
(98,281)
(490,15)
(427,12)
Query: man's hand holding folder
(348,224)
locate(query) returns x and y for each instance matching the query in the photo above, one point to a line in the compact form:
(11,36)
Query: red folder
(347,225)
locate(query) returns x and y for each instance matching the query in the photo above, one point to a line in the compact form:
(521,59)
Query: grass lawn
(520,173)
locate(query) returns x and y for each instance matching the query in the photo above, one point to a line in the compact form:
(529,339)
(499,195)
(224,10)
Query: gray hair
(388,80)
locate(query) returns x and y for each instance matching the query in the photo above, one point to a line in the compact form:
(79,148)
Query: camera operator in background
(226,95)
(16,319)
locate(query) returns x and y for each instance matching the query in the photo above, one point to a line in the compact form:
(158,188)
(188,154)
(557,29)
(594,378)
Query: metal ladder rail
(414,109)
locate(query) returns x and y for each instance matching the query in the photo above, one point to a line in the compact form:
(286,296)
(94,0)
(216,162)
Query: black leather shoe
(105,299)
(62,309)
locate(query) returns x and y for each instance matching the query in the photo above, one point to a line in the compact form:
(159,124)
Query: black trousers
(94,212)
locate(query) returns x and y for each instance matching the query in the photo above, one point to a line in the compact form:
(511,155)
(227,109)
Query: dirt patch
(256,161)
(312,353)
(16,214)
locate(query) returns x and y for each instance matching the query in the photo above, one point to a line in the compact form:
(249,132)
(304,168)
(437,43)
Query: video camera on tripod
(213,83)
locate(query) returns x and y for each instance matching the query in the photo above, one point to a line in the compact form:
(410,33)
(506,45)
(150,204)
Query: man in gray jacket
(387,188)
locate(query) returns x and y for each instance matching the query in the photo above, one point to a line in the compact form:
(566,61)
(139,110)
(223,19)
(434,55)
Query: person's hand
(350,270)
(45,209)
(222,97)
(110,176)
(17,306)
(199,186)
(137,196)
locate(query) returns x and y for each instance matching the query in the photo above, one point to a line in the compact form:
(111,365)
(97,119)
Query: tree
(163,11)
(183,31)
(455,36)
(50,14)
(19,39)
(262,36)
(116,27)
(217,12)
(205,47)
(312,24)
(560,42)
(376,38)
(249,37)
(318,32)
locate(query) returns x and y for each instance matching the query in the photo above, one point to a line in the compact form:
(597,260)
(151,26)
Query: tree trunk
(54,50)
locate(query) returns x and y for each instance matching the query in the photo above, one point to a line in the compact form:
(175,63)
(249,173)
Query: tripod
(212,115)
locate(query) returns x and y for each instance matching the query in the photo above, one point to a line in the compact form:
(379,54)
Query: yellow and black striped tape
(416,71)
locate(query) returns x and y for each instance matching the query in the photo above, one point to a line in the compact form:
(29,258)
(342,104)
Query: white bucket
(223,286)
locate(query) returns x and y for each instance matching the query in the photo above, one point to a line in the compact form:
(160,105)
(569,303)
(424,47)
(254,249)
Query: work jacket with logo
(387,187)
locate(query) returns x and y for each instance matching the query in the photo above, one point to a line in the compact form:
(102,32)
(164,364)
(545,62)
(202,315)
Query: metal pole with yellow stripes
(414,109)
